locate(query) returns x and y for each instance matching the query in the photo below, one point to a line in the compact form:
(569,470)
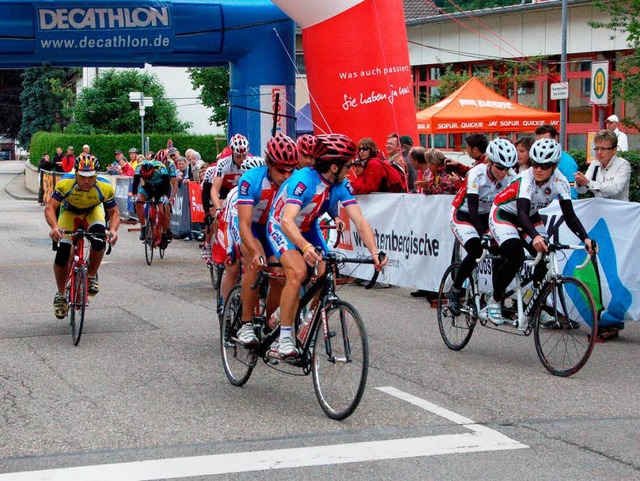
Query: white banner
(419,250)
(414,232)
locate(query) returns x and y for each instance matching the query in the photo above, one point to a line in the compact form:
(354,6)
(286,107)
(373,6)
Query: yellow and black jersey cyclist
(82,198)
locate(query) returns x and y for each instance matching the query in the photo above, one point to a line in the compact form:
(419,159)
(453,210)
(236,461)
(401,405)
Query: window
(301,70)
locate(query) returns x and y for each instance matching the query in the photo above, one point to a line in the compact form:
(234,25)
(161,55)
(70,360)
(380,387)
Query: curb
(20,197)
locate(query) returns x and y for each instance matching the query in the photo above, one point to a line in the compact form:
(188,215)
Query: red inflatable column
(357,61)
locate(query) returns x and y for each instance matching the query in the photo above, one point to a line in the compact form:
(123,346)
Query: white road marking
(479,439)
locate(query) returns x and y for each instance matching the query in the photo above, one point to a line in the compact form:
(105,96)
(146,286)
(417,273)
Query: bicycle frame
(553,273)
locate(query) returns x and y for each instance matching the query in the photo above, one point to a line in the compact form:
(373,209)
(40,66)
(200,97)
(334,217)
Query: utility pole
(143,102)
(563,76)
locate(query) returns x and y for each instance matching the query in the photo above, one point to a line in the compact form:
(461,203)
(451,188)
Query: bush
(104,146)
(632,157)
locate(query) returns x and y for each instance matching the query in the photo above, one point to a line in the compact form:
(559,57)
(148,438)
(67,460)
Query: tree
(214,82)
(46,99)
(104,108)
(625,18)
(10,108)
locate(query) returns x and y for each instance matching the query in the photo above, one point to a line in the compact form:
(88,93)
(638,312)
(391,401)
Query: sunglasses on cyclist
(500,167)
(541,166)
(283,170)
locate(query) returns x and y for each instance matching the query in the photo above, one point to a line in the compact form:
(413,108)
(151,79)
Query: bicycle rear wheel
(148,241)
(238,361)
(341,363)
(77,304)
(455,330)
(565,338)
(216,279)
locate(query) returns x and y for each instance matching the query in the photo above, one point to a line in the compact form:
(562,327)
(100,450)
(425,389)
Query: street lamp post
(143,102)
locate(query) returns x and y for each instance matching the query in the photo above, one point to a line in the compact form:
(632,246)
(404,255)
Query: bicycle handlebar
(333,259)
(78,233)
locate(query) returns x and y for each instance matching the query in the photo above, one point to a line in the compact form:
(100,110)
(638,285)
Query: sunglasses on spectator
(500,167)
(283,170)
(603,149)
(541,166)
(363,149)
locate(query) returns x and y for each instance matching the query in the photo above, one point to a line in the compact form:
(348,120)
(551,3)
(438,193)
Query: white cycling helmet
(545,151)
(502,152)
(251,162)
(239,144)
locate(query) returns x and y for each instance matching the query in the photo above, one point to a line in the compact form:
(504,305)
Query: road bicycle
(333,346)
(153,234)
(77,279)
(561,312)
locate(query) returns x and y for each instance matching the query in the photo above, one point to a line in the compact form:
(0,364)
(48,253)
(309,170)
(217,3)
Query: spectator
(114,167)
(199,170)
(368,174)
(86,149)
(182,172)
(133,158)
(69,160)
(476,147)
(46,165)
(149,155)
(124,167)
(419,162)
(394,155)
(523,145)
(57,160)
(406,144)
(140,159)
(192,158)
(609,175)
(437,180)
(173,154)
(612,124)
(568,166)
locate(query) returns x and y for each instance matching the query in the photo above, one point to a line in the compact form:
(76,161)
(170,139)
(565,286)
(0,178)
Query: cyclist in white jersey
(515,223)
(470,214)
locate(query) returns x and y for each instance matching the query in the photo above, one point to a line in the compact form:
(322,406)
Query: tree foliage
(46,100)
(214,82)
(104,108)
(10,109)
(625,19)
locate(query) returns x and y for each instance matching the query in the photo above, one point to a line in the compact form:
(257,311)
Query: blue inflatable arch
(254,37)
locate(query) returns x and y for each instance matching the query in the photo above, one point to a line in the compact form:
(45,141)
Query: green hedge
(104,146)
(634,160)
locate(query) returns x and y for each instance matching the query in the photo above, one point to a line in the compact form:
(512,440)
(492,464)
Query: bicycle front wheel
(565,325)
(455,330)
(77,304)
(148,241)
(238,361)
(341,362)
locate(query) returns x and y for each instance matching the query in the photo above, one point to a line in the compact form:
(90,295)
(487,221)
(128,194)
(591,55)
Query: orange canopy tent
(476,108)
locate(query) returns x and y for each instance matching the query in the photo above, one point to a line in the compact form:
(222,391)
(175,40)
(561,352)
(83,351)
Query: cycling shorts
(150,191)
(70,221)
(463,229)
(503,226)
(280,243)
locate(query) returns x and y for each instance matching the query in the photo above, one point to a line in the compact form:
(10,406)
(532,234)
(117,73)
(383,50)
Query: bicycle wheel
(238,362)
(565,338)
(77,304)
(456,331)
(340,364)
(148,241)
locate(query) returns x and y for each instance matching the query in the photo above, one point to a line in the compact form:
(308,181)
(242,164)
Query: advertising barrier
(414,232)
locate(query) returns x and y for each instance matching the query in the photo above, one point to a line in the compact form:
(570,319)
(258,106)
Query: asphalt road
(144,395)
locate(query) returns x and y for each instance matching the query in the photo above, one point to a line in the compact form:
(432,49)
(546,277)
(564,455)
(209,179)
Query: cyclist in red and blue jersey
(293,227)
(256,190)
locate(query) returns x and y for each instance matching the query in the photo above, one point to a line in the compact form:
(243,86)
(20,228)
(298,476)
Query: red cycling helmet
(161,156)
(306,143)
(337,148)
(281,150)
(146,170)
